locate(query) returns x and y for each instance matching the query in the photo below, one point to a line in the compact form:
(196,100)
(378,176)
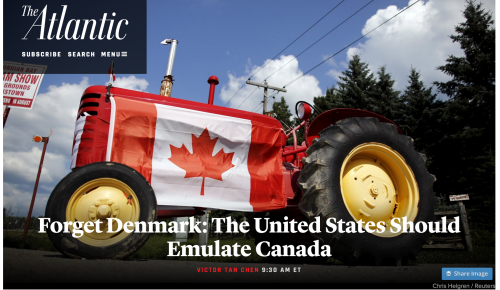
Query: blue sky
(217,37)
(232,40)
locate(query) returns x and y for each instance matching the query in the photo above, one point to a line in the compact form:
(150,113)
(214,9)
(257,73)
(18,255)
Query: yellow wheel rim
(98,200)
(377,185)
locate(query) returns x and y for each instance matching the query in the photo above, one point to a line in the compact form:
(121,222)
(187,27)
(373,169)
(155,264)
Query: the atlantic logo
(77,37)
(72,29)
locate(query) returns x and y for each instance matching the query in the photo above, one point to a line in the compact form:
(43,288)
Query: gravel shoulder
(27,266)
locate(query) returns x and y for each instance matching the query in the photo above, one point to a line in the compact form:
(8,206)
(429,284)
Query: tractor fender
(330,117)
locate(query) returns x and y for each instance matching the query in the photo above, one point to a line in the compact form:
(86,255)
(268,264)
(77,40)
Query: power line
(295,57)
(234,94)
(285,49)
(320,38)
(266,87)
(364,35)
(258,108)
(279,53)
(247,97)
(250,95)
(274,95)
(258,105)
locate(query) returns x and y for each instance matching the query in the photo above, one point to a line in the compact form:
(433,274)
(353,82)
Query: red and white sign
(459,197)
(195,158)
(21,83)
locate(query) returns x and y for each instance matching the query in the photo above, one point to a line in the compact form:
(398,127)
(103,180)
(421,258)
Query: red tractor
(138,157)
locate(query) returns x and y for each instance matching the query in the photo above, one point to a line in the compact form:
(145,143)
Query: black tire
(62,193)
(320,183)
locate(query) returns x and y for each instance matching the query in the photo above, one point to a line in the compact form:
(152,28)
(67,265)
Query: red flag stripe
(134,135)
(266,169)
(134,141)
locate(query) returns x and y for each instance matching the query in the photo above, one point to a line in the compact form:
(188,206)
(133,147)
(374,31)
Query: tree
(386,99)
(473,76)
(282,112)
(467,148)
(328,101)
(356,86)
(299,133)
(419,113)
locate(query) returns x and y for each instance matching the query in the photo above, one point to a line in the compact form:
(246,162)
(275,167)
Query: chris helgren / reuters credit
(286,144)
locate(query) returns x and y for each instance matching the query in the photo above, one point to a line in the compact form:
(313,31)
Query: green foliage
(456,135)
(282,112)
(385,101)
(418,115)
(417,105)
(356,88)
(34,240)
(299,133)
(473,75)
(466,162)
(327,102)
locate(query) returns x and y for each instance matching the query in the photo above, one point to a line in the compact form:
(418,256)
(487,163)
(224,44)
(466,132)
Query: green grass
(156,248)
(34,241)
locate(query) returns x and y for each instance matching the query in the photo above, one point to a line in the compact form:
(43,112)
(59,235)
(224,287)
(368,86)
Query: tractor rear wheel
(363,170)
(96,192)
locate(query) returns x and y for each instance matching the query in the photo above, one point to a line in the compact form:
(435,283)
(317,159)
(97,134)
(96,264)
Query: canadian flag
(196,158)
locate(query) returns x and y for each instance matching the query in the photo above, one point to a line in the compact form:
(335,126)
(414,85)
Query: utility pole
(5,115)
(265,86)
(45,141)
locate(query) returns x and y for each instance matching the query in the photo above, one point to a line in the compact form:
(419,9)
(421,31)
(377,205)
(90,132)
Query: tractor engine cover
(192,154)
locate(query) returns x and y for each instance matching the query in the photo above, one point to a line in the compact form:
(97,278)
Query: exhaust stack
(166,84)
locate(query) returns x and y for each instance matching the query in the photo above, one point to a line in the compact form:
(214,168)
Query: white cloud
(330,60)
(334,73)
(24,165)
(303,89)
(56,109)
(18,198)
(418,37)
(131,83)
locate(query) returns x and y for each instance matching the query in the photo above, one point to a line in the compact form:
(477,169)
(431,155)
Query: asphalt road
(26,266)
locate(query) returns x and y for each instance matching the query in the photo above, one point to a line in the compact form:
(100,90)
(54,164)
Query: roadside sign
(21,83)
(459,197)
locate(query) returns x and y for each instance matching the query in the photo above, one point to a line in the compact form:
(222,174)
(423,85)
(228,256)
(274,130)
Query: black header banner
(76,37)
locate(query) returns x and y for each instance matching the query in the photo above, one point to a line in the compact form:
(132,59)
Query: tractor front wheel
(359,171)
(106,193)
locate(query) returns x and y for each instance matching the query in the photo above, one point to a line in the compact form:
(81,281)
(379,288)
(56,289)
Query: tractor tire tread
(319,182)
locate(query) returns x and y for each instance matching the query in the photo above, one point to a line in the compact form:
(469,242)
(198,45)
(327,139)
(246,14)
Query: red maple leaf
(201,162)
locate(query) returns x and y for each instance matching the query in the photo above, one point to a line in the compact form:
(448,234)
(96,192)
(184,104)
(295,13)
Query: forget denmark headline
(262,225)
